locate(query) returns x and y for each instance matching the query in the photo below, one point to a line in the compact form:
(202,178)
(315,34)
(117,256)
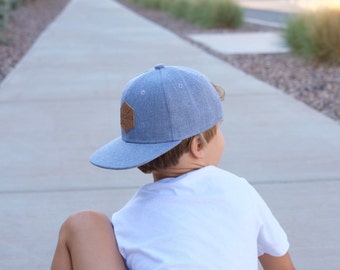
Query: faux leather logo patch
(127,117)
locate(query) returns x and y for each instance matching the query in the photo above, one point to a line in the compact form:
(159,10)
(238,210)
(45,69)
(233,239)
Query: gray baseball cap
(159,109)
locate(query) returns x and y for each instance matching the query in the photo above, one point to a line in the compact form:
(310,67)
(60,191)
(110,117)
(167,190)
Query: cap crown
(168,104)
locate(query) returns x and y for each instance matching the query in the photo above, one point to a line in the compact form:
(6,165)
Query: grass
(315,35)
(205,13)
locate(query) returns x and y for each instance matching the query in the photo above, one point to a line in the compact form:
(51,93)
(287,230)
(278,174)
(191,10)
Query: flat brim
(120,155)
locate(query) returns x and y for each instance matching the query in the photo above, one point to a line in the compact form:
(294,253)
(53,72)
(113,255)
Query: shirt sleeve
(272,239)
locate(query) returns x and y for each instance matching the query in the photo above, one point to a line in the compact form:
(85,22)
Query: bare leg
(87,242)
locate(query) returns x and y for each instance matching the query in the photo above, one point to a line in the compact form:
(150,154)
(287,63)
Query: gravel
(316,85)
(23,28)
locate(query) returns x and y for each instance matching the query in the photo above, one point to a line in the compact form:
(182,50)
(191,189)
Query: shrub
(153,4)
(6,6)
(227,13)
(315,35)
(297,35)
(215,13)
(199,12)
(166,4)
(326,36)
(179,9)
(206,13)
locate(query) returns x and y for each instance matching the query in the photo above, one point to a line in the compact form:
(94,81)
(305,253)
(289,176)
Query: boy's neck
(186,164)
(168,173)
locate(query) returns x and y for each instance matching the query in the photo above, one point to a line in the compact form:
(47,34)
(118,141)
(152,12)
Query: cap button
(159,66)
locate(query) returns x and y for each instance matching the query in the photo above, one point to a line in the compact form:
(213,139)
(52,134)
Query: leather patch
(127,117)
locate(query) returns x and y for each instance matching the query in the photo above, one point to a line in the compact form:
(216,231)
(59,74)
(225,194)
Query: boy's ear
(197,147)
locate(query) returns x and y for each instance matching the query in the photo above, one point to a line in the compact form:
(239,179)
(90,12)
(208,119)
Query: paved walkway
(273,13)
(61,102)
(270,12)
(243,43)
(284,6)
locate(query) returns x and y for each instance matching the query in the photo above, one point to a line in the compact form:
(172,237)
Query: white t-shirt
(205,219)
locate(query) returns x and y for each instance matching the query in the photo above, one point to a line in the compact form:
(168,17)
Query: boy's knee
(80,222)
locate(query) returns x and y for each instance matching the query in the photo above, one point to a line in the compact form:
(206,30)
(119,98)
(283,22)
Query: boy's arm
(269,262)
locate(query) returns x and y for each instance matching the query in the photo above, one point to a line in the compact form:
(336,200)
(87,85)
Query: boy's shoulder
(214,172)
(209,179)
(213,178)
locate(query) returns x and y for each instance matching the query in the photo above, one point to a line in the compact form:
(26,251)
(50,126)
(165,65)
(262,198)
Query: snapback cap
(159,109)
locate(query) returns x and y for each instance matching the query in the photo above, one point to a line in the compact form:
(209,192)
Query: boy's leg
(87,242)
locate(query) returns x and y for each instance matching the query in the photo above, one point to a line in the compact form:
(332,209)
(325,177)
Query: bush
(179,9)
(226,13)
(212,13)
(297,35)
(315,35)
(153,4)
(206,13)
(199,12)
(6,6)
(166,4)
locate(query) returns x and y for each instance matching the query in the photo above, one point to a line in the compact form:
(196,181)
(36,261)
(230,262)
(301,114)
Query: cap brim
(119,155)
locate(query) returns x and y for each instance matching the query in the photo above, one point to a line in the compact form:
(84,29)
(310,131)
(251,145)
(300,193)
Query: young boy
(194,215)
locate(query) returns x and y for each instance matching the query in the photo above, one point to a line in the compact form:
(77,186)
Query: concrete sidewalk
(270,12)
(238,43)
(62,102)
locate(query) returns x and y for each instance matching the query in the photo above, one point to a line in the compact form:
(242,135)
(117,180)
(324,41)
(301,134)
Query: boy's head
(159,109)
(172,157)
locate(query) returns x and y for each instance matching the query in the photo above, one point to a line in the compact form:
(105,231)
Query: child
(194,215)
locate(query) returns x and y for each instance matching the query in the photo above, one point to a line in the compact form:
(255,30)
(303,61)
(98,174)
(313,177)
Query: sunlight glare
(317,4)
